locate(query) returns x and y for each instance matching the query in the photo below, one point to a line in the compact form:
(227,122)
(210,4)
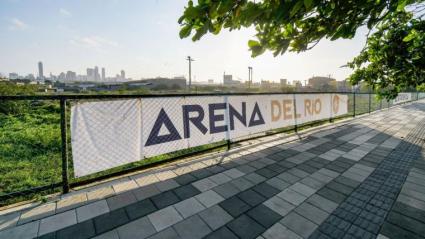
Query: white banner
(402,97)
(112,133)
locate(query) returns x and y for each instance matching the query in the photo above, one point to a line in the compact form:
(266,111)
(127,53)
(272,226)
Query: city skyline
(142,38)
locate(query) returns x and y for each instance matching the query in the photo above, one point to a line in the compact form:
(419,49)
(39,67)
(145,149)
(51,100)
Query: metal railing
(359,103)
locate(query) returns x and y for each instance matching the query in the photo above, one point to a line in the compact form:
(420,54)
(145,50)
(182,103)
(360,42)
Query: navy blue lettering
(216,118)
(154,137)
(234,113)
(197,121)
(260,120)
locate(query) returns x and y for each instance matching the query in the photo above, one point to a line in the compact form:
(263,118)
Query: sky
(141,37)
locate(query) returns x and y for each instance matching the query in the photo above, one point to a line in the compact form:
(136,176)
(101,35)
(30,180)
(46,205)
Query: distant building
(90,74)
(159,83)
(13,76)
(298,84)
(71,76)
(228,80)
(210,81)
(283,82)
(321,82)
(96,74)
(103,74)
(40,70)
(123,74)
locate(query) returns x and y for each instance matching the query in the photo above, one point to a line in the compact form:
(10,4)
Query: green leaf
(253,43)
(401,5)
(410,37)
(296,8)
(307,4)
(185,31)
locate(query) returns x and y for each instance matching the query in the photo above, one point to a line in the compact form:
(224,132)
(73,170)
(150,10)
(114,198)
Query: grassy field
(30,146)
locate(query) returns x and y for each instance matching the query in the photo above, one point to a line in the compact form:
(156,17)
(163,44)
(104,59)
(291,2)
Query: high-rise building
(122,74)
(40,70)
(96,73)
(283,82)
(103,74)
(90,74)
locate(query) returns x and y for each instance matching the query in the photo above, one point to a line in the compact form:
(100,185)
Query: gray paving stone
(245,227)
(264,215)
(81,230)
(186,191)
(322,203)
(165,199)
(121,200)
(215,217)
(71,202)
(235,206)
(328,172)
(303,189)
(9,220)
(209,198)
(278,231)
(292,196)
(279,205)
(92,210)
(146,192)
(312,213)
(111,220)
(298,173)
(108,235)
(140,228)
(164,218)
(204,184)
(312,183)
(166,185)
(56,222)
(226,190)
(277,183)
(222,233)
(233,173)
(28,230)
(287,177)
(192,227)
(140,209)
(37,213)
(168,233)
(254,178)
(241,183)
(299,224)
(189,207)
(220,178)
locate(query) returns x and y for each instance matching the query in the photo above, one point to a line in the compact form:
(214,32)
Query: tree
(394,56)
(294,25)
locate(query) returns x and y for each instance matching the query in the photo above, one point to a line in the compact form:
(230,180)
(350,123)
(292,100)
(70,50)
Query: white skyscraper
(103,74)
(123,74)
(40,70)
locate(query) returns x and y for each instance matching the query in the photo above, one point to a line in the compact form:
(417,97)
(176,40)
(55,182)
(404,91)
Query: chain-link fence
(36,148)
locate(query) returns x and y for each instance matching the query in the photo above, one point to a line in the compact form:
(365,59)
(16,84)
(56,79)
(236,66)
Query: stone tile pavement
(362,179)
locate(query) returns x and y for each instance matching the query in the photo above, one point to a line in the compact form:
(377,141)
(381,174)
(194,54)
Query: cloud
(94,42)
(16,24)
(65,12)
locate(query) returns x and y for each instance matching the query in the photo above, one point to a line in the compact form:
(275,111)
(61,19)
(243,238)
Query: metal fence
(42,156)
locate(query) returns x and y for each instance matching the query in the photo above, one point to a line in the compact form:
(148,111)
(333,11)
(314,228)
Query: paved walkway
(364,179)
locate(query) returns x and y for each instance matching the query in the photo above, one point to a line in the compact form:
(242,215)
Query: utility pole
(190,59)
(249,76)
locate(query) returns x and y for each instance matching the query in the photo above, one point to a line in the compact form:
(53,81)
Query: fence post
(370,101)
(295,114)
(330,117)
(354,104)
(65,183)
(380,106)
